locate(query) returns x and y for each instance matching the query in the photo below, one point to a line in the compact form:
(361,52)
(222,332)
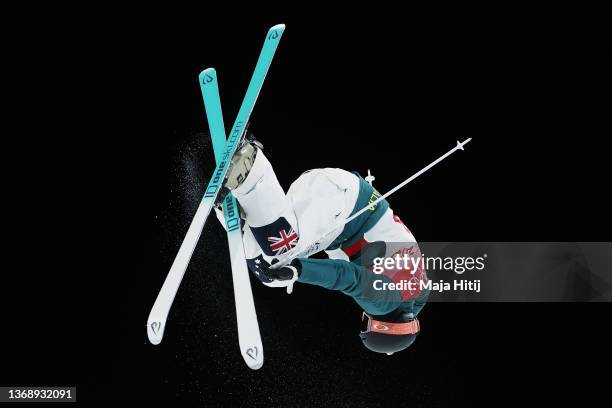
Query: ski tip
(256,367)
(253,357)
(155,332)
(275,32)
(206,76)
(277,27)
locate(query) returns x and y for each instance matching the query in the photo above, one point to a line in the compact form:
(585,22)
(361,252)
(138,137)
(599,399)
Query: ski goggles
(377,326)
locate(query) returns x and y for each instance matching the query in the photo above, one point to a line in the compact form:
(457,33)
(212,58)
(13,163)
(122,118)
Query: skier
(276,223)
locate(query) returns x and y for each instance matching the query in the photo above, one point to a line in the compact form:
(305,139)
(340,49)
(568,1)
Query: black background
(106,155)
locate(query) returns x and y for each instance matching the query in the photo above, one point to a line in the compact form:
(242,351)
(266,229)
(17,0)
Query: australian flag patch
(259,267)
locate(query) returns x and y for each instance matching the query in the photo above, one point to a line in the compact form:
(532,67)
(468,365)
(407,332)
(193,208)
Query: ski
(159,313)
(249,338)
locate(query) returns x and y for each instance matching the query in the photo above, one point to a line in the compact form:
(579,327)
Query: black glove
(267,276)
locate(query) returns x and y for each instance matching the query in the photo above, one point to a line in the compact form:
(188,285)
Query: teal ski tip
(207,76)
(275,31)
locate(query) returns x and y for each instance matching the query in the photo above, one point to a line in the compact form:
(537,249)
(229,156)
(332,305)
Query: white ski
(159,313)
(249,338)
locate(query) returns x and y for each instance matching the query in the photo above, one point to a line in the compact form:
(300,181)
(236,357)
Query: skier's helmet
(390,333)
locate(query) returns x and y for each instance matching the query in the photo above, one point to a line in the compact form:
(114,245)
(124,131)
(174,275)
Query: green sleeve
(351,279)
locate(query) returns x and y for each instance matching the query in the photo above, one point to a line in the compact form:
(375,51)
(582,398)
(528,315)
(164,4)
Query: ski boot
(239,166)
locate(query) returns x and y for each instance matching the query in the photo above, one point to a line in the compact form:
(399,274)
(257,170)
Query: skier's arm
(351,279)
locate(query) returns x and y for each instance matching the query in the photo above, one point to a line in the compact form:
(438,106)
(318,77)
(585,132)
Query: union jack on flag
(284,243)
